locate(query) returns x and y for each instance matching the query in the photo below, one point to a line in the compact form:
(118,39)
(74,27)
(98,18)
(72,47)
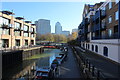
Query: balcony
(103,13)
(96,37)
(17,29)
(97,14)
(93,18)
(5,26)
(96,27)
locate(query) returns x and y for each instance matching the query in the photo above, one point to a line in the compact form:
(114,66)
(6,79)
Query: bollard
(86,63)
(93,69)
(89,66)
(98,74)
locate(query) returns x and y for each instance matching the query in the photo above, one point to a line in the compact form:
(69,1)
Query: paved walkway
(110,69)
(70,69)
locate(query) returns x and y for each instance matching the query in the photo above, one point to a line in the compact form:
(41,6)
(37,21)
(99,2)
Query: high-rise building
(58,28)
(43,26)
(99,31)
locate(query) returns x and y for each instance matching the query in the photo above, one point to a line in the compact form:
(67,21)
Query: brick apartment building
(15,32)
(99,30)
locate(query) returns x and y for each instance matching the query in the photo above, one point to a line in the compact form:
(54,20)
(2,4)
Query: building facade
(66,33)
(43,26)
(15,32)
(58,28)
(99,30)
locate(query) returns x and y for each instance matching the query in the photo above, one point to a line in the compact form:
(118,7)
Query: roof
(19,18)
(8,12)
(28,21)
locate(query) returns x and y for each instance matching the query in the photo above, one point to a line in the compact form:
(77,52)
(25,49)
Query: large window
(5,31)
(110,5)
(96,48)
(110,32)
(17,42)
(26,34)
(92,47)
(26,28)
(32,35)
(110,19)
(116,15)
(105,51)
(5,43)
(26,42)
(17,33)
(17,25)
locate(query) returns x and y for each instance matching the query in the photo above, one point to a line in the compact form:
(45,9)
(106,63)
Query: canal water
(27,68)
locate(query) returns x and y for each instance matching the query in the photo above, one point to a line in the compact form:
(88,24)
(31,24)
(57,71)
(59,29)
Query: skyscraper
(58,28)
(43,26)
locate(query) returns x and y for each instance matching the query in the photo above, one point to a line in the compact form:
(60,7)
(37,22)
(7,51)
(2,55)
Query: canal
(27,68)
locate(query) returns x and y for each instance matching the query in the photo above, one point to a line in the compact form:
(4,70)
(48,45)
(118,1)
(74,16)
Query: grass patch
(37,56)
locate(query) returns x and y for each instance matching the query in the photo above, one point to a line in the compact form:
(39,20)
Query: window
(116,15)
(83,45)
(110,19)
(5,31)
(5,21)
(110,32)
(110,5)
(32,42)
(26,34)
(26,28)
(17,42)
(5,43)
(105,51)
(17,33)
(17,25)
(26,42)
(88,46)
(92,47)
(96,48)
(116,29)
(32,35)
(117,1)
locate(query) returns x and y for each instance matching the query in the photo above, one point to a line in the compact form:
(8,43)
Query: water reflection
(27,68)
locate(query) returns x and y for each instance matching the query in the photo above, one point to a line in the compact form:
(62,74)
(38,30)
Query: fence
(17,48)
(88,70)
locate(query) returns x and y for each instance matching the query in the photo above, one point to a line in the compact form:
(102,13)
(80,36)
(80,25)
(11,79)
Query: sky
(69,14)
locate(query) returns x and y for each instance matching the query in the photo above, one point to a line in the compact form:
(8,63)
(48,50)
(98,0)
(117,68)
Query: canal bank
(11,58)
(26,69)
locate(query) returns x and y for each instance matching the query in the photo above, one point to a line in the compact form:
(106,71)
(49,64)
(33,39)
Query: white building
(43,26)
(58,28)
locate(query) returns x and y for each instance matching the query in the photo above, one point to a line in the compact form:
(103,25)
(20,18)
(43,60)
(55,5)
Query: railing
(97,14)
(113,36)
(18,48)
(88,70)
